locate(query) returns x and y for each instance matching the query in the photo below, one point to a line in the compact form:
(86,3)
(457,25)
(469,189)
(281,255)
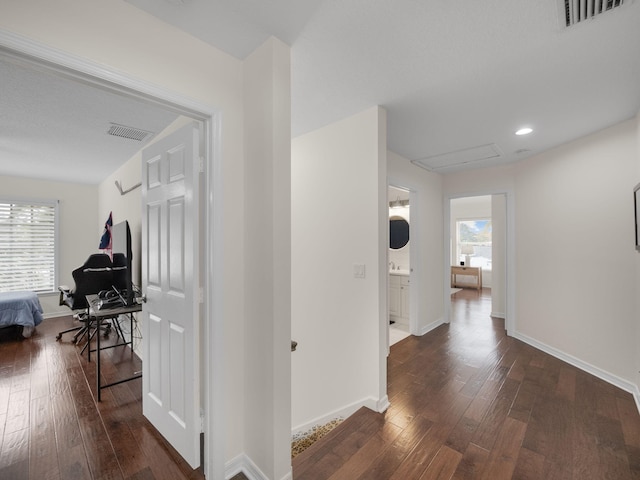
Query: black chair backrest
(92,277)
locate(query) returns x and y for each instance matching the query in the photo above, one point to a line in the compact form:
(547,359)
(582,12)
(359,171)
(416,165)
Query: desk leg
(98,360)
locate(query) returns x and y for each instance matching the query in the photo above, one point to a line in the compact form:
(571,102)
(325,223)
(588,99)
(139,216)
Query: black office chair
(92,277)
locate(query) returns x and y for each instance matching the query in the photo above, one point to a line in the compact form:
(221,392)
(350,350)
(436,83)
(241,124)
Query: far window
(474,240)
(28,246)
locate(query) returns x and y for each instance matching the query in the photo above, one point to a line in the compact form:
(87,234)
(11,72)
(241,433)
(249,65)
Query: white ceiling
(453,76)
(54,128)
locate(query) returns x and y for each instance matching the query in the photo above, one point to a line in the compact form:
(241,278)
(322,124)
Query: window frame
(45,202)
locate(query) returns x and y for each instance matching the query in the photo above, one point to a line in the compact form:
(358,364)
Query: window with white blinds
(28,245)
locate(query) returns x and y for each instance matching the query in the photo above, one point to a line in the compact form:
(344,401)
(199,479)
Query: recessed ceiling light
(524,131)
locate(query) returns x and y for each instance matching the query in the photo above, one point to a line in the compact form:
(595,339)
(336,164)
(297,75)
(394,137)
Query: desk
(97,315)
(470,271)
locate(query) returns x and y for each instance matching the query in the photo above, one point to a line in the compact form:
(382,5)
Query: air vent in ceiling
(459,158)
(128,132)
(576,11)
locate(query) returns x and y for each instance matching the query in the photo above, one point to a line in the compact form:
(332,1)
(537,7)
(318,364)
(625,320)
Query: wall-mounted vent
(128,132)
(576,11)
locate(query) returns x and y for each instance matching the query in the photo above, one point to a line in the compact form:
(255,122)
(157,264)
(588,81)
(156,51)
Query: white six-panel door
(171,377)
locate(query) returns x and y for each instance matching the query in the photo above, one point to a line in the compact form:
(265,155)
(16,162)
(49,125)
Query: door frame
(510,277)
(83,70)
(415,279)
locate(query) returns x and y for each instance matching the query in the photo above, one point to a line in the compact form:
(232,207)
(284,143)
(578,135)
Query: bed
(20,309)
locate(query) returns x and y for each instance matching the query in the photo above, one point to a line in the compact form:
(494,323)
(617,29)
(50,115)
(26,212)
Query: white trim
(243,464)
(87,71)
(432,326)
(371,403)
(383,404)
(497,315)
(621,383)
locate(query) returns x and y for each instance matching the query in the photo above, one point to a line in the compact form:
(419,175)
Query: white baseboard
(242,463)
(383,404)
(498,315)
(427,328)
(587,367)
(371,403)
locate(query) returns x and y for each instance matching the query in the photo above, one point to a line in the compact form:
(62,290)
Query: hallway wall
(339,220)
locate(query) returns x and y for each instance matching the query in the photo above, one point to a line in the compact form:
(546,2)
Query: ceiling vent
(464,157)
(576,11)
(131,133)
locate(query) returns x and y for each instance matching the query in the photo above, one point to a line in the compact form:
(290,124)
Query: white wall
(77,238)
(267,241)
(427,289)
(104,33)
(339,218)
(575,273)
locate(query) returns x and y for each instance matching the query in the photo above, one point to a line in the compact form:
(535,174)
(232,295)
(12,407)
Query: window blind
(28,246)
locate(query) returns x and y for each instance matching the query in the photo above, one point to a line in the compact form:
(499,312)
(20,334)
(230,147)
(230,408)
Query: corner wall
(267,241)
(339,218)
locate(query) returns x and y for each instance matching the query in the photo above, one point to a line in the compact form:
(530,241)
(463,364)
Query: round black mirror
(398,232)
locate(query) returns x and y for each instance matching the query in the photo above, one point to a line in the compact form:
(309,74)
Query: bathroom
(399,263)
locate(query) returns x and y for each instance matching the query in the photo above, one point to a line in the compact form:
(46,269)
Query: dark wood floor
(51,427)
(468,402)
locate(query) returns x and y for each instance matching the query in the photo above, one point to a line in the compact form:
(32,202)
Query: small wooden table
(469,271)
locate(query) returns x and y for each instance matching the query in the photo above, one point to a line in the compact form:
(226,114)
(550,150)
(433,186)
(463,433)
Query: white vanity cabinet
(399,298)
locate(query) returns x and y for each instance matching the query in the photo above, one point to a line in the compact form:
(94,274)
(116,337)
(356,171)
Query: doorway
(76,69)
(399,262)
(477,231)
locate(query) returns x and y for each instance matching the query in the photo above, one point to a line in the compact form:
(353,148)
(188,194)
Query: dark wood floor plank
(487,431)
(51,427)
(504,454)
(367,454)
(18,412)
(443,466)
(15,448)
(472,463)
(408,441)
(43,454)
(309,458)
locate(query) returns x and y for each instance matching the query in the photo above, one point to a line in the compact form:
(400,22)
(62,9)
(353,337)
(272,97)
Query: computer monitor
(122,258)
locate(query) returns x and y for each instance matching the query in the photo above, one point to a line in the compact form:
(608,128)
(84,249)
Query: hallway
(468,402)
